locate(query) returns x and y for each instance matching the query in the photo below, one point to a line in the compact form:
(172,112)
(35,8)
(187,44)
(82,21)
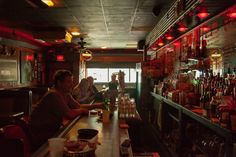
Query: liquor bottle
(107,103)
(202,101)
(229,70)
(206,110)
(197,49)
(224,119)
(204,49)
(189,52)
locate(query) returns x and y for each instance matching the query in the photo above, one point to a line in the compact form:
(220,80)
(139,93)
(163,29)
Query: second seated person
(82,92)
(95,94)
(57,103)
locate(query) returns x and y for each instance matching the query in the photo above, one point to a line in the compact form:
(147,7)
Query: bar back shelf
(169,113)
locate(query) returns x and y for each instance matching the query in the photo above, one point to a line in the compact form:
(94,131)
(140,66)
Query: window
(99,74)
(133,75)
(104,74)
(116,70)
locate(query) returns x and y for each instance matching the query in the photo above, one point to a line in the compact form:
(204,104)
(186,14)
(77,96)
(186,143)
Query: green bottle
(107,103)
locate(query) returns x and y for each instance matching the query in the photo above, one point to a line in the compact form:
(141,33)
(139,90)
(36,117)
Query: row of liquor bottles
(200,51)
(218,98)
(215,95)
(216,85)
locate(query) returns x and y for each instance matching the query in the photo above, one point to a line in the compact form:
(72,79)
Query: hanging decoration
(86,55)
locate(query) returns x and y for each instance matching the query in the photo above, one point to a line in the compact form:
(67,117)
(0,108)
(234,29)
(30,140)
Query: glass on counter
(126,107)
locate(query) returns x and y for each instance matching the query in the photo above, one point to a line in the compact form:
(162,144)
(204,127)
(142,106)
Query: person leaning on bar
(56,104)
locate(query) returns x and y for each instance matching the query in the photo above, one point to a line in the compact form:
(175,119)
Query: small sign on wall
(27,65)
(8,70)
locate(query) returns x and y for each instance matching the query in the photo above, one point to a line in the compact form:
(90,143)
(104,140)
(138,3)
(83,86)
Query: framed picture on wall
(8,70)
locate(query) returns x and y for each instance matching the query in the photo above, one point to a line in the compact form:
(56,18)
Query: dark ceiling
(117,24)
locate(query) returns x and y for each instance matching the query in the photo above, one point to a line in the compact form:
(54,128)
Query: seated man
(57,103)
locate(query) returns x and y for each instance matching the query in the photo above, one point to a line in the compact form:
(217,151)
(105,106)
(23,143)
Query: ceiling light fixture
(48,2)
(169,36)
(160,42)
(103,47)
(86,55)
(215,55)
(202,14)
(75,33)
(182,28)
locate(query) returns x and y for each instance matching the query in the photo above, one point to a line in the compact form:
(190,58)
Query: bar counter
(110,135)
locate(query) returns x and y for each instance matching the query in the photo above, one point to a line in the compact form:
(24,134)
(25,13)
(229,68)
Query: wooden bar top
(110,136)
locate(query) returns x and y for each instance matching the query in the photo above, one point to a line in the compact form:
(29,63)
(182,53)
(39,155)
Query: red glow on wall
(177,43)
(60,40)
(153,47)
(205,28)
(60,58)
(19,35)
(29,57)
(5,29)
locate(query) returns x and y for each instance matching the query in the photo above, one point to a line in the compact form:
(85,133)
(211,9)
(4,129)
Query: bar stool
(10,147)
(18,137)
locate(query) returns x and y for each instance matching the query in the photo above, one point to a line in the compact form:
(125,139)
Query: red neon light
(60,58)
(29,57)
